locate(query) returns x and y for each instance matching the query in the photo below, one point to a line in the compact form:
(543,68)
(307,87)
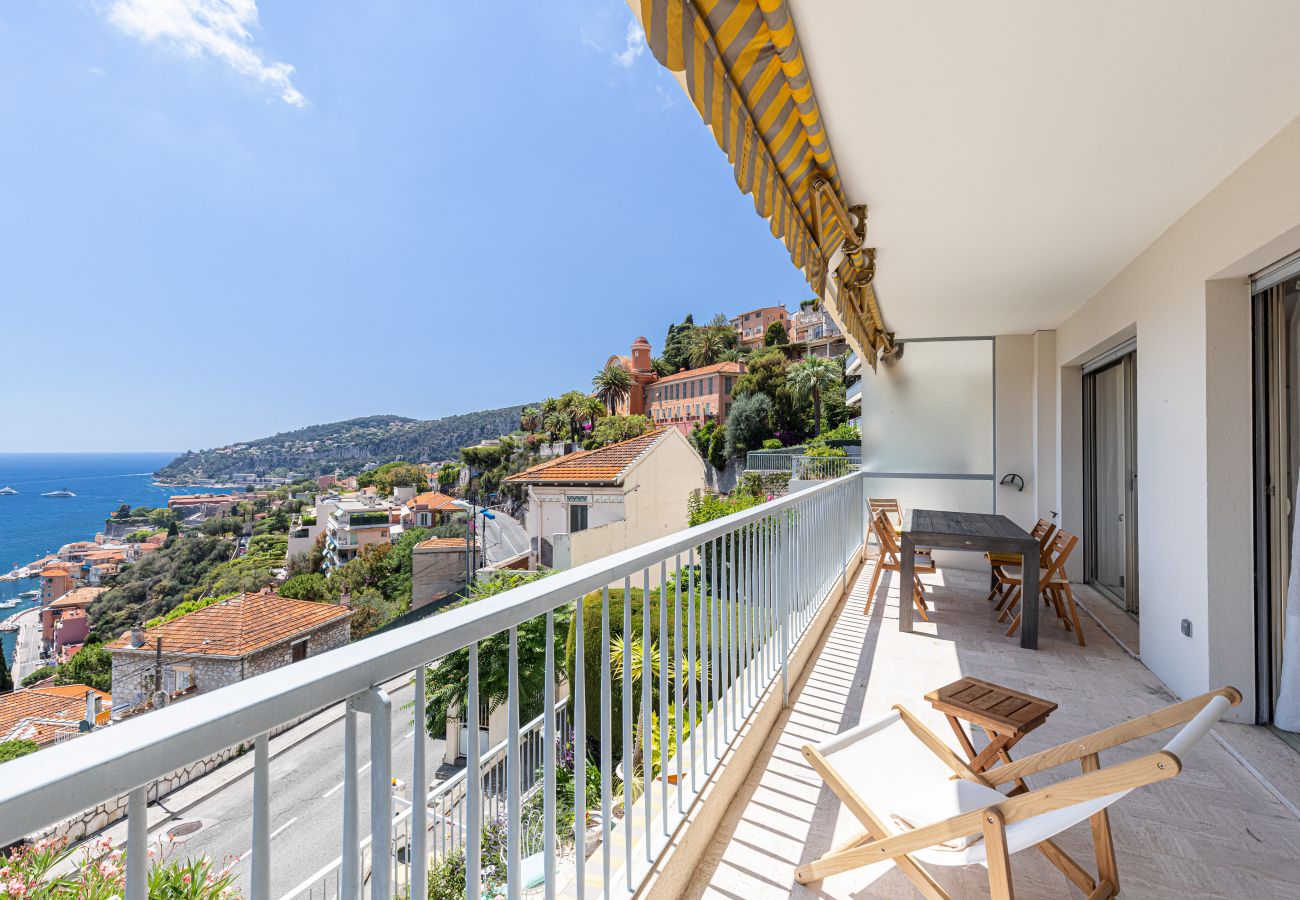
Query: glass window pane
(931,411)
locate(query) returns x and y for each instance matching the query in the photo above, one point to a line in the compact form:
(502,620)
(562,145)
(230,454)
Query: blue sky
(222,219)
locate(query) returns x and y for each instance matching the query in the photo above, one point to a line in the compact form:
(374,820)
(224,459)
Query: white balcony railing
(822,468)
(729,600)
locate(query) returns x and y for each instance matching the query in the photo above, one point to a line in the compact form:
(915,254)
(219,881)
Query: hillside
(348,446)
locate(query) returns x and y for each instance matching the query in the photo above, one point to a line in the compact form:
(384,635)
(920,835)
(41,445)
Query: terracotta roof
(443,544)
(77,597)
(37,714)
(728,367)
(238,626)
(54,572)
(432,500)
(118,553)
(604,466)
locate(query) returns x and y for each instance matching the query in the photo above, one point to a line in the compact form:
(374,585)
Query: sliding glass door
(1110,522)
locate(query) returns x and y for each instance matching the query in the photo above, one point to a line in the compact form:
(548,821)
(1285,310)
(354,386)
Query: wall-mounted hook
(1015,479)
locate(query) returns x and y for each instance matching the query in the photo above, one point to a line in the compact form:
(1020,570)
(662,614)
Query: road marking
(249,851)
(334,790)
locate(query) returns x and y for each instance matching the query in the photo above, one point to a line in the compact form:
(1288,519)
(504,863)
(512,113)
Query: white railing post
(350,869)
(260,881)
(474,788)
(377,704)
(419,846)
(137,844)
(512,769)
(548,761)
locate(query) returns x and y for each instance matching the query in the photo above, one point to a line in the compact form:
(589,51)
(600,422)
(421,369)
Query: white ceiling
(1017,155)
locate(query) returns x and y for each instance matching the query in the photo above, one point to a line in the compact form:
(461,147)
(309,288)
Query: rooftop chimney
(137,636)
(92,707)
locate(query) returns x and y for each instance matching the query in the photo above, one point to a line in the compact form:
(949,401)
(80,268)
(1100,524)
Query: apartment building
(814,327)
(356,523)
(751,326)
(694,396)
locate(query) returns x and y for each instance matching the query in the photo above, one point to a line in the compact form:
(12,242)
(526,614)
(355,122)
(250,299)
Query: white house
(595,502)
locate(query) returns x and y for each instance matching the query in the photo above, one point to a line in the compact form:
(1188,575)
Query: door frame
(1124,355)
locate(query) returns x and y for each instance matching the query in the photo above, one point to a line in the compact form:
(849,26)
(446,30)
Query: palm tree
(810,377)
(707,345)
(592,410)
(612,383)
(573,404)
(530,419)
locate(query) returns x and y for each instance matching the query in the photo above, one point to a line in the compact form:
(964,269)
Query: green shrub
(16,748)
(772,444)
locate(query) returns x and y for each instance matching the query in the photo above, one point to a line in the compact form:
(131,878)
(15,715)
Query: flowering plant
(45,871)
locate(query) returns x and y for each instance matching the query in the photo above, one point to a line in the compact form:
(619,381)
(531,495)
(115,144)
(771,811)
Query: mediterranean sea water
(32,526)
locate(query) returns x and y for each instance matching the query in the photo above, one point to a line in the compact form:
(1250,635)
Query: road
(306,800)
(504,537)
(27,652)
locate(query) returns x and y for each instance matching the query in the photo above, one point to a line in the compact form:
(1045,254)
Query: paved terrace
(1228,826)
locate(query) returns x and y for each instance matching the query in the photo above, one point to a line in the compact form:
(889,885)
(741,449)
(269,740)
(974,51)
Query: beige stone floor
(1215,831)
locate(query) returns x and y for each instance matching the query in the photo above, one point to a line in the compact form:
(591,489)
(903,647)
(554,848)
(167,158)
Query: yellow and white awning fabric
(743,70)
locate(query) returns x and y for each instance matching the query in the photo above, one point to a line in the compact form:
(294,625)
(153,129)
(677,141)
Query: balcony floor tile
(1215,831)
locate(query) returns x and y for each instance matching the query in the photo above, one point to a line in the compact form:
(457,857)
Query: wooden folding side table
(1005,715)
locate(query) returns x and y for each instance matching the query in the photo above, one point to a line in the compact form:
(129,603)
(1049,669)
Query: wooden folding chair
(1053,585)
(914,810)
(891,561)
(1043,531)
(894,515)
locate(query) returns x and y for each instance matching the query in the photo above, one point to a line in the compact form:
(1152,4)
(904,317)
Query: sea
(32,526)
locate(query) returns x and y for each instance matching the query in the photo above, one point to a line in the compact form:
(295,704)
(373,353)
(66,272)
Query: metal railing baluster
(606,742)
(137,844)
(579,750)
(513,887)
(419,844)
(260,874)
(548,761)
(473,788)
(692,685)
(678,700)
(350,862)
(663,693)
(646,722)
(627,730)
(381,792)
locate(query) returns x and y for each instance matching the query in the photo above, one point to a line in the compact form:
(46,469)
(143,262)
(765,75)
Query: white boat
(7,491)
(63,493)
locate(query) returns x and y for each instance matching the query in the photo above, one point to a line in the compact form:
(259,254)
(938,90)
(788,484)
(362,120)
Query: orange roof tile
(432,500)
(77,597)
(734,368)
(442,544)
(238,626)
(54,572)
(37,714)
(604,466)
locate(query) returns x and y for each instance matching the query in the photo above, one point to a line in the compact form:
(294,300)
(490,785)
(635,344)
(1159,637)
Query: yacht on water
(63,493)
(6,491)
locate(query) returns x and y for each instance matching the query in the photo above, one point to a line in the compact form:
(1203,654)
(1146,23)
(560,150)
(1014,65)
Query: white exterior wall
(1187,299)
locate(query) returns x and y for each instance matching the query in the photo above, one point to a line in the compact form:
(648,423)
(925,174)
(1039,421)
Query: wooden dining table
(933,529)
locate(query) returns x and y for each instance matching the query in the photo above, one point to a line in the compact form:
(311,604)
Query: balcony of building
(768,609)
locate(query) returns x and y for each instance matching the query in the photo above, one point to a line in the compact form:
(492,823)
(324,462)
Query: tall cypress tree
(6,681)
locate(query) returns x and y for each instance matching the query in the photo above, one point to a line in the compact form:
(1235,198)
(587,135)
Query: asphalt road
(306,801)
(504,537)
(27,652)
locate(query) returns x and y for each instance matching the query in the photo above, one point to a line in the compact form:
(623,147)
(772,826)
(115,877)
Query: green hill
(348,446)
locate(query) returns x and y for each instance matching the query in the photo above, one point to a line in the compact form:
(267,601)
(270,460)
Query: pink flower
(16,888)
(185,879)
(107,869)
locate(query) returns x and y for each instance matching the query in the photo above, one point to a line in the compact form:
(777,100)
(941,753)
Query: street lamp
(471,533)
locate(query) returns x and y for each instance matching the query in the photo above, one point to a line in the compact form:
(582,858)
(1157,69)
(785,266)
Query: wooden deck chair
(894,513)
(890,561)
(913,810)
(1053,585)
(1043,531)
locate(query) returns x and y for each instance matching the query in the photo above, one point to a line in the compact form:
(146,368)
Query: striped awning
(743,70)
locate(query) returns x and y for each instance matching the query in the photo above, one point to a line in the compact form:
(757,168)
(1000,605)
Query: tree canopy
(390,475)
(775,335)
(749,424)
(612,429)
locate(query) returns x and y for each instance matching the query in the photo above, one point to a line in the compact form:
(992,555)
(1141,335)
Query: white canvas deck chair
(930,807)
